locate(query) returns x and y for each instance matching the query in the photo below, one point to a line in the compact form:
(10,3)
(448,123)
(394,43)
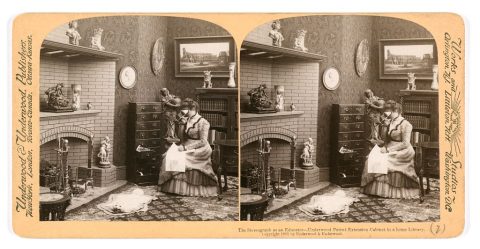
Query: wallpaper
(188,27)
(394,28)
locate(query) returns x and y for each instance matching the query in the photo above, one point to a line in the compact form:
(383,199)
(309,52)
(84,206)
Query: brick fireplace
(96,73)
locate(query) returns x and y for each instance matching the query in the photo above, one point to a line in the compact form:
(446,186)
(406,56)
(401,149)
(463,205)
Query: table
(426,163)
(53,206)
(252,206)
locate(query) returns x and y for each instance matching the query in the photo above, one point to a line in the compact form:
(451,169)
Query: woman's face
(192,112)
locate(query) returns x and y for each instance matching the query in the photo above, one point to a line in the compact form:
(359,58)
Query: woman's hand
(384,150)
(181,148)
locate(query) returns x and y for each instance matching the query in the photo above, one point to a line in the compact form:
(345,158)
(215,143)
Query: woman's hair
(190,104)
(393,106)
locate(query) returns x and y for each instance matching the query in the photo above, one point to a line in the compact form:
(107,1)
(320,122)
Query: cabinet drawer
(149,116)
(148,134)
(343,127)
(347,118)
(148,125)
(352,109)
(148,108)
(148,142)
(358,144)
(152,159)
(346,136)
(352,170)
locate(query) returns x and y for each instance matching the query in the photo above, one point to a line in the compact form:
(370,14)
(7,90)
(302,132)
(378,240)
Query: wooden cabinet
(145,129)
(420,108)
(347,131)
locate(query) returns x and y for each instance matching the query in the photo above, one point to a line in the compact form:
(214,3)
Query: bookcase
(219,106)
(420,108)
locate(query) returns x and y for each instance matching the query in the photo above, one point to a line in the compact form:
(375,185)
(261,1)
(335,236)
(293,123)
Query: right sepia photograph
(339,121)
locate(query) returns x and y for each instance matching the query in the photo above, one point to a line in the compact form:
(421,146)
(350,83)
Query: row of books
(416,107)
(213,105)
(418,137)
(418,122)
(215,119)
(216,135)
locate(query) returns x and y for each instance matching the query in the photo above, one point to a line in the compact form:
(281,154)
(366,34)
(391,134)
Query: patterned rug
(167,207)
(368,209)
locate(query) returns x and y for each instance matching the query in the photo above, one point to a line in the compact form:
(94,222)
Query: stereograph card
(306,125)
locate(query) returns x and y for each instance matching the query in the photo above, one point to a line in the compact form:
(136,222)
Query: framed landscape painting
(400,57)
(194,55)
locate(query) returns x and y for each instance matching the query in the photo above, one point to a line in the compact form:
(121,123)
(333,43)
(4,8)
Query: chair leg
(428,185)
(422,191)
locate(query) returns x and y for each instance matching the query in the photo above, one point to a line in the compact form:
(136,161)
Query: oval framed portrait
(128,77)
(331,78)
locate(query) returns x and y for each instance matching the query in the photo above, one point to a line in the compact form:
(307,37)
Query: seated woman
(198,178)
(397,156)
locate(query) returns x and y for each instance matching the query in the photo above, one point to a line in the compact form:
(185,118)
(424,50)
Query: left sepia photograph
(138,121)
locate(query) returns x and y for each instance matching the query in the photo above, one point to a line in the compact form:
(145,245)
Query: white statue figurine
(277,37)
(96,41)
(104,154)
(300,40)
(411,81)
(72,33)
(307,154)
(231,73)
(207,79)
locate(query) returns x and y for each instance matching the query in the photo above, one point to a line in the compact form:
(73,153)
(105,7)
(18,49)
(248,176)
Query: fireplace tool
(62,162)
(263,150)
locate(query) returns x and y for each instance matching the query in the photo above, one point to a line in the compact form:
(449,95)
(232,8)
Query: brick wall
(299,79)
(97,79)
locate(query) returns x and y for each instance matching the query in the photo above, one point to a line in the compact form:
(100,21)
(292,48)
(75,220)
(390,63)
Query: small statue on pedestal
(275,34)
(411,81)
(307,154)
(300,40)
(259,100)
(207,79)
(170,105)
(56,101)
(374,107)
(104,154)
(72,33)
(96,41)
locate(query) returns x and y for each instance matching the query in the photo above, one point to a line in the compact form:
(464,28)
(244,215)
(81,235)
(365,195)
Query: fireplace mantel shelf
(244,116)
(54,115)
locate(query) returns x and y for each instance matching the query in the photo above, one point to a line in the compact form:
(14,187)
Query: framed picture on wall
(399,57)
(194,55)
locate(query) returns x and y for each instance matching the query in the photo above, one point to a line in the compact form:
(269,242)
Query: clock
(128,77)
(331,78)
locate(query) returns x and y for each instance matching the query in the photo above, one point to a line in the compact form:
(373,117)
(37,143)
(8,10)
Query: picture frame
(128,77)
(194,55)
(397,57)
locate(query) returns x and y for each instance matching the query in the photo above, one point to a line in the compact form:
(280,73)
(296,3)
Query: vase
(76,88)
(231,79)
(434,85)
